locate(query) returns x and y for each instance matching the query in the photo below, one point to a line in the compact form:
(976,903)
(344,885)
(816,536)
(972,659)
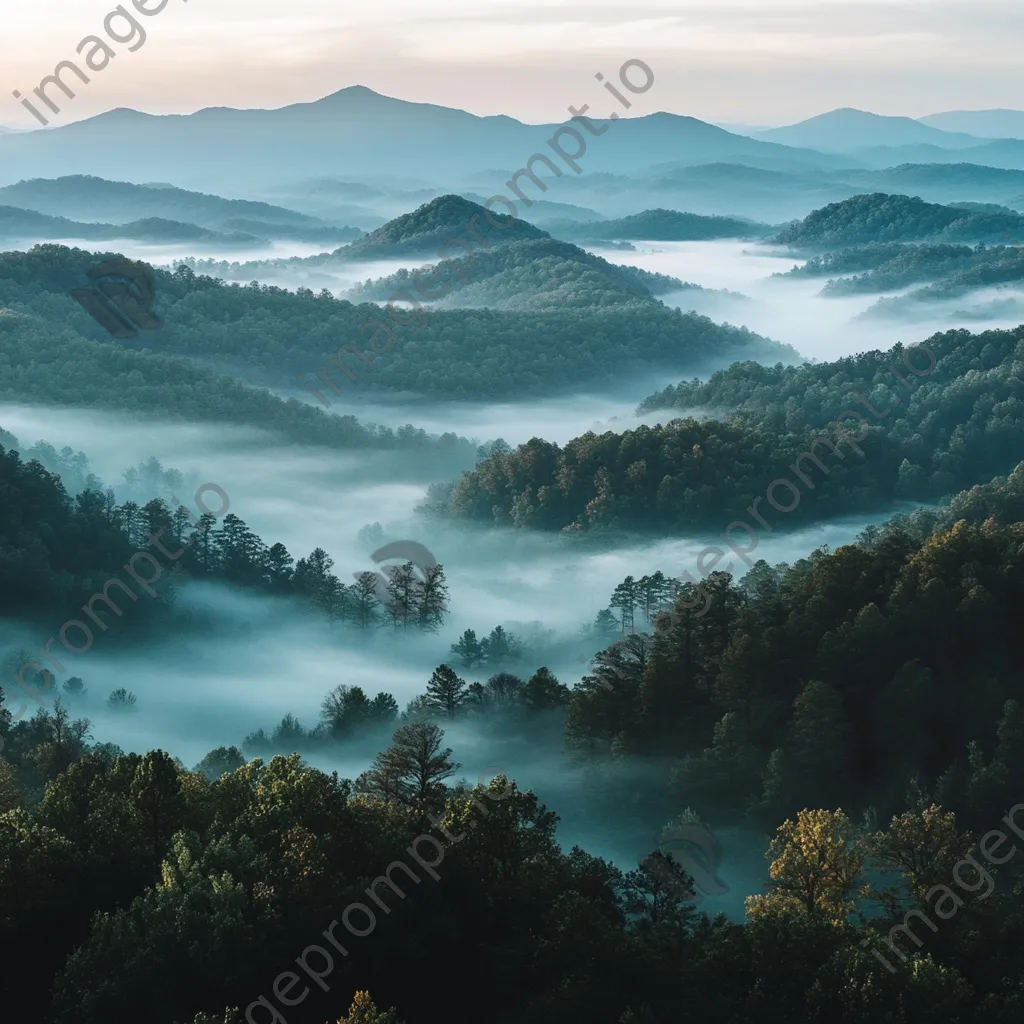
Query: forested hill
(961,423)
(874,218)
(427,229)
(275,337)
(673,226)
(167,894)
(48,364)
(538,274)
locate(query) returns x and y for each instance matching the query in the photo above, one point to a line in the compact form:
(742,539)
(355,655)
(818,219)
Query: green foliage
(673,226)
(877,217)
(540,274)
(50,348)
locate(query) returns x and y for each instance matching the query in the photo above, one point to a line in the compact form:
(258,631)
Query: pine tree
(433,599)
(383,708)
(279,571)
(624,598)
(364,605)
(413,769)
(468,650)
(543,691)
(500,647)
(312,572)
(446,692)
(606,627)
(404,595)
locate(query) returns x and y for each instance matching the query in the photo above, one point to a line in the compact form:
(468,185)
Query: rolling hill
(673,226)
(21,225)
(537,274)
(88,198)
(424,231)
(875,218)
(272,336)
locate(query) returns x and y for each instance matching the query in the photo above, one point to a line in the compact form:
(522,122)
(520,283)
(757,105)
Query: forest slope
(956,424)
(273,336)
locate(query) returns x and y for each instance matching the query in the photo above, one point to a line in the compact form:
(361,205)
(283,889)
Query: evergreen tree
(624,599)
(364,606)
(500,648)
(413,769)
(433,599)
(446,692)
(606,627)
(468,650)
(404,595)
(279,568)
(543,691)
(383,708)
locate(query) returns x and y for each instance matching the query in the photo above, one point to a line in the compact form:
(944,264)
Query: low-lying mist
(237,662)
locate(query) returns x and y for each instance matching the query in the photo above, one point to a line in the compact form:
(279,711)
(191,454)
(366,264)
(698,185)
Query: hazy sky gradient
(752,61)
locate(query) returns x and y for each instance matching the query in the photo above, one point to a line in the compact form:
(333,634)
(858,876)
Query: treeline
(1006,269)
(925,263)
(56,552)
(795,688)
(532,275)
(48,363)
(503,700)
(671,226)
(878,217)
(895,426)
(274,336)
(181,895)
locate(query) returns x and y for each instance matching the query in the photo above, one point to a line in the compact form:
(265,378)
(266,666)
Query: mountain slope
(538,274)
(275,337)
(86,198)
(356,132)
(847,130)
(874,218)
(427,229)
(37,227)
(962,424)
(51,364)
(988,124)
(673,226)
(79,196)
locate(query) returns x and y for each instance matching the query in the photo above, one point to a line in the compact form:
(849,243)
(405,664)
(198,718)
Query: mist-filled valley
(652,527)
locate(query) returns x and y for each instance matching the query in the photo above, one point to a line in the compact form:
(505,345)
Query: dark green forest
(856,716)
(540,274)
(276,337)
(163,893)
(904,435)
(877,218)
(671,226)
(432,226)
(956,270)
(57,551)
(55,365)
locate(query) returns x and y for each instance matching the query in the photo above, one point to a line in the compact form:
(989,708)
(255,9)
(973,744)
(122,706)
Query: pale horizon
(746,62)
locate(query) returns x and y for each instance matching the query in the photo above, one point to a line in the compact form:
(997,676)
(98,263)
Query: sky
(754,62)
